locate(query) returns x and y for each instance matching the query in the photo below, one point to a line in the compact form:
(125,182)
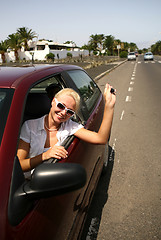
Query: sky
(137,21)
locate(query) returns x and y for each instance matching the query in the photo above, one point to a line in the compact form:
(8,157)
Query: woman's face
(59,115)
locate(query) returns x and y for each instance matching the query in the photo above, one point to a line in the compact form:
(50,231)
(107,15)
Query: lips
(60,117)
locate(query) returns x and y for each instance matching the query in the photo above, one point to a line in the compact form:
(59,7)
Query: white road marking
(128,99)
(131,83)
(114,144)
(112,151)
(93,228)
(130,89)
(139,62)
(159,61)
(122,114)
(132,78)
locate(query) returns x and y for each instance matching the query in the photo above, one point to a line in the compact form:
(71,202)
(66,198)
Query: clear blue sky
(137,21)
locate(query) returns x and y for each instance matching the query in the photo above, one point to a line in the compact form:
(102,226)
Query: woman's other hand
(55,152)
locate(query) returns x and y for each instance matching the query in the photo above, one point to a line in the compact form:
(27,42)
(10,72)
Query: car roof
(11,77)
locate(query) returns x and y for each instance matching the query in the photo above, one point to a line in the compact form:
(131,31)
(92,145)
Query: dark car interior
(39,103)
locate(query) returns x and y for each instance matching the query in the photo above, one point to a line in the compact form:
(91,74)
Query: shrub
(123,54)
(69,55)
(50,56)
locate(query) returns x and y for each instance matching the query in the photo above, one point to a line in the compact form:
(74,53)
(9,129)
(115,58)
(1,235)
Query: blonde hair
(70,92)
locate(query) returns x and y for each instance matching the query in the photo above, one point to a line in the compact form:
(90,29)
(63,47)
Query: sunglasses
(61,106)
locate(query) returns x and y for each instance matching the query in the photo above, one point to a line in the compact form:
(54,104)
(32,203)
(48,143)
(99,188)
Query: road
(127,203)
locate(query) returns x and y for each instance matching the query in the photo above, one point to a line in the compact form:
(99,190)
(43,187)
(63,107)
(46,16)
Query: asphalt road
(127,203)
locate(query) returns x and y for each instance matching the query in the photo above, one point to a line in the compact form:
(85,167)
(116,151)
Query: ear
(52,101)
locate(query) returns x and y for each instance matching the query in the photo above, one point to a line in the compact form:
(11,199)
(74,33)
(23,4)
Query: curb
(106,72)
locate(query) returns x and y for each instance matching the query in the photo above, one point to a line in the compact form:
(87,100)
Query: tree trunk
(3,57)
(16,55)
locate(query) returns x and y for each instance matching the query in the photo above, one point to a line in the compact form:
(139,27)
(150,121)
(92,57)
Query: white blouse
(33,132)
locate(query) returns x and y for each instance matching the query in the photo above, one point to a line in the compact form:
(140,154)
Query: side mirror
(47,180)
(55,179)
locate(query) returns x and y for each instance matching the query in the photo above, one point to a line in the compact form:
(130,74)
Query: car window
(2,97)
(41,87)
(5,101)
(39,98)
(86,86)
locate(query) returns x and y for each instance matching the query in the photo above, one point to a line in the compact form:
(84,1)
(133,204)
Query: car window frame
(66,143)
(84,108)
(83,112)
(5,109)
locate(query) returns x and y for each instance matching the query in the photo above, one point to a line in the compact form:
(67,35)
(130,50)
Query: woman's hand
(110,98)
(55,152)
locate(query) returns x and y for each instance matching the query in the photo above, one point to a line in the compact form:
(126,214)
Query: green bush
(123,54)
(50,56)
(95,52)
(69,55)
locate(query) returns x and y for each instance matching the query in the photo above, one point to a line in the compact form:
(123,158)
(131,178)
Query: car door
(60,217)
(90,156)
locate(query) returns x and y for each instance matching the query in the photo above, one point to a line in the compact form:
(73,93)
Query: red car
(54,202)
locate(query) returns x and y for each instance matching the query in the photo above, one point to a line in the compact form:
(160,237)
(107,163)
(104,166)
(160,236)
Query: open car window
(86,86)
(39,98)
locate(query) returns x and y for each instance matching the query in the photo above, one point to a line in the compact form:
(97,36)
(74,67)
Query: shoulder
(70,123)
(71,126)
(35,124)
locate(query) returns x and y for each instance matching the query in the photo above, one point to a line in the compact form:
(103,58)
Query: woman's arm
(22,153)
(29,163)
(104,131)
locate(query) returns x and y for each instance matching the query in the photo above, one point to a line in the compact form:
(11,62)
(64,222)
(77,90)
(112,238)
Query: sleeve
(67,129)
(25,132)
(74,127)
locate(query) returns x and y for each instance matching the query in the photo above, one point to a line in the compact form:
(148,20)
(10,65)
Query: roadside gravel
(98,71)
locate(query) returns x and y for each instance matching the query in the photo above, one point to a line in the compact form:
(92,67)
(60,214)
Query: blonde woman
(41,139)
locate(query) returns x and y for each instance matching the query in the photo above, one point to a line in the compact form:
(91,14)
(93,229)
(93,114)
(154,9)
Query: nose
(64,112)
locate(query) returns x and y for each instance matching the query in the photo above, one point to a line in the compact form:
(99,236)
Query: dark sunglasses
(61,106)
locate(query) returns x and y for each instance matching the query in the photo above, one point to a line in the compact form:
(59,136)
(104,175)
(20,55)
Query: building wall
(40,54)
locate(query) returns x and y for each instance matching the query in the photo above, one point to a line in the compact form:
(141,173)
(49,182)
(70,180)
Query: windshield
(5,102)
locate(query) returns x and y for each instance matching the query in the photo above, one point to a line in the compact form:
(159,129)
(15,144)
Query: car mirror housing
(47,180)
(51,179)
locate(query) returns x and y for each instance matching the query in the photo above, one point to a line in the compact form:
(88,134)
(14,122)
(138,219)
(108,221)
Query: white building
(39,50)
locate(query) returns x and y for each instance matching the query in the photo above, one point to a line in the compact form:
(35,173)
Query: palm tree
(109,43)
(14,43)
(125,46)
(156,48)
(25,35)
(132,46)
(87,47)
(3,50)
(96,42)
